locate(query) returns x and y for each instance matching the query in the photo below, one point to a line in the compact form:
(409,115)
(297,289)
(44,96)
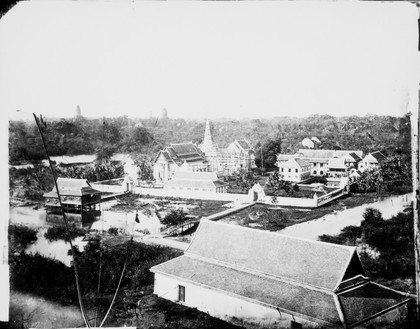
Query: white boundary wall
(242,198)
(193,194)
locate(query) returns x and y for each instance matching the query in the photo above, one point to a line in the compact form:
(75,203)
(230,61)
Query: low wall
(330,196)
(108,188)
(306,202)
(242,198)
(193,194)
(292,202)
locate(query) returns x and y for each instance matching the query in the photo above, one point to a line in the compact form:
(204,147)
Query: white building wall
(222,305)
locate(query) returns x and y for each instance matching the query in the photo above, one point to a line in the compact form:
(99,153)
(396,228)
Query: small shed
(256,193)
(77,195)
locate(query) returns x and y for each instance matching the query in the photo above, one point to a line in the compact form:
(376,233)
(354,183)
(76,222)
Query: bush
(113,230)
(59,232)
(174,218)
(20,236)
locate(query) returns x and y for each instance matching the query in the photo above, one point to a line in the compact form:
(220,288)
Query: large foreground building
(264,277)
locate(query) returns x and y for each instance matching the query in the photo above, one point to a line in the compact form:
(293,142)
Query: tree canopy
(390,135)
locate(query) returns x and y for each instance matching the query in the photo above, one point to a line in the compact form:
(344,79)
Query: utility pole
(416,198)
(415,165)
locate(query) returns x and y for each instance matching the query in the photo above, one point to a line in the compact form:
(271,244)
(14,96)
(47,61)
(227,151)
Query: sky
(208,59)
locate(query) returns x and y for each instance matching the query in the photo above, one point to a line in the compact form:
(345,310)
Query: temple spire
(207,141)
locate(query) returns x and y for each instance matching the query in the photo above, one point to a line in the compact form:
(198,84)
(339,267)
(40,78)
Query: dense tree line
(79,136)
(32,183)
(392,175)
(390,135)
(387,246)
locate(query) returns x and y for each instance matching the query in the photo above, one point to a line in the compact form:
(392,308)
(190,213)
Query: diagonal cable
(76,274)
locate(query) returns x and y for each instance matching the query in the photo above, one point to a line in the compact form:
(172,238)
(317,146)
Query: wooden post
(416,198)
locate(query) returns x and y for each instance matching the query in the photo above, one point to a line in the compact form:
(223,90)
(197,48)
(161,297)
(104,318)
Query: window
(290,170)
(296,170)
(314,172)
(322,165)
(295,325)
(282,169)
(321,172)
(181,293)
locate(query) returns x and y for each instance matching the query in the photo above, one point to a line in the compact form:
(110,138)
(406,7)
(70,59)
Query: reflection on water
(27,216)
(55,249)
(333,223)
(38,218)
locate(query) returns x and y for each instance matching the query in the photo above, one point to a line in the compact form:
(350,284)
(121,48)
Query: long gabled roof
(375,157)
(181,152)
(325,154)
(308,262)
(353,157)
(294,162)
(72,186)
(285,157)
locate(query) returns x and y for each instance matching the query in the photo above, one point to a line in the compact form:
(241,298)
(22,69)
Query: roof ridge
(255,272)
(204,220)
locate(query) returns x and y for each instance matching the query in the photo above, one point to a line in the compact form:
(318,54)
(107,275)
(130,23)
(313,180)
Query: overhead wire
(102,224)
(82,309)
(76,274)
(126,257)
(119,283)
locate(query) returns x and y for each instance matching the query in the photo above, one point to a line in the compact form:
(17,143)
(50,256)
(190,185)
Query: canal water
(333,223)
(124,221)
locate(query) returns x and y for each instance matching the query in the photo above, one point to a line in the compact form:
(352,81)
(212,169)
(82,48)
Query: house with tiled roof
(371,161)
(77,195)
(295,170)
(320,159)
(262,277)
(174,156)
(281,158)
(337,167)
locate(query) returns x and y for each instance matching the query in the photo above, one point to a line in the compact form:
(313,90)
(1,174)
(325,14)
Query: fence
(330,196)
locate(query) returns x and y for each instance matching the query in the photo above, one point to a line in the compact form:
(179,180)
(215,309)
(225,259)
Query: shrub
(20,236)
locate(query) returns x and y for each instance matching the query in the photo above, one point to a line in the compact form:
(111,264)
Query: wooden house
(77,196)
